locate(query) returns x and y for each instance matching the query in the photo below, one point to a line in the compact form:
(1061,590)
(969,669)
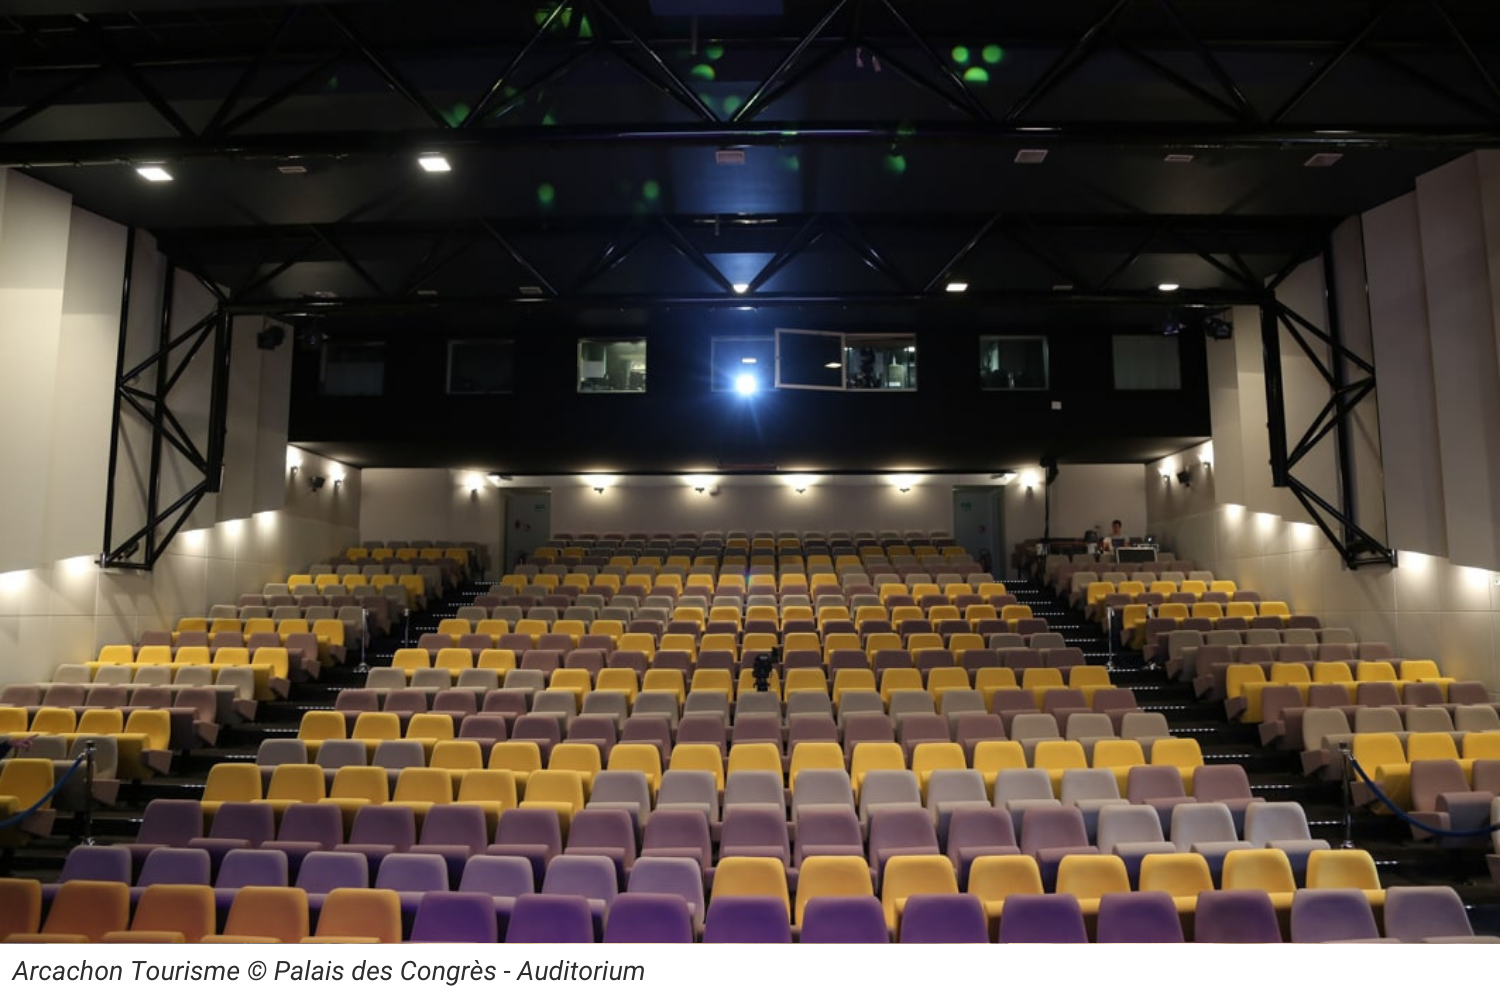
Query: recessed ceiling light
(740,287)
(425,292)
(834,364)
(290,168)
(154,172)
(1323,159)
(1031,155)
(1062,288)
(1179,158)
(957,286)
(749,361)
(434,163)
(1168,286)
(531,291)
(730,157)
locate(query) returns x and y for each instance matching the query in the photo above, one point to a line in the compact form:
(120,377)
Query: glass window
(611,365)
(809,359)
(880,361)
(1013,362)
(481,367)
(743,364)
(353,368)
(1146,362)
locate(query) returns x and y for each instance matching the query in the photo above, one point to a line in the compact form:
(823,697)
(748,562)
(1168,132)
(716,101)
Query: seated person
(1115,538)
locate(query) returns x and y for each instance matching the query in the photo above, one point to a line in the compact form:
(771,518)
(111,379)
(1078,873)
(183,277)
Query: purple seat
(702,729)
(648,918)
(827,830)
(1320,915)
(977,833)
(973,728)
(307,827)
(679,833)
(607,833)
(600,730)
(412,876)
(844,920)
(543,730)
(324,871)
(92,863)
(591,877)
(1050,833)
(900,830)
(166,823)
(1236,916)
(380,830)
(1138,918)
(245,868)
(533,834)
(1427,912)
(235,825)
(537,919)
(944,919)
(755,831)
(747,920)
(171,866)
(1226,783)
(455,832)
(1046,919)
(1159,786)
(455,918)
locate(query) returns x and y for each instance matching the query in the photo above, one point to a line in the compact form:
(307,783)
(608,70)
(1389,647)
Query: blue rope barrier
(36,806)
(1379,793)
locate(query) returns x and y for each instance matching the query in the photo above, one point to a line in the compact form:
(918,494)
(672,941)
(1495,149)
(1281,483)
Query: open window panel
(1013,362)
(819,359)
(611,365)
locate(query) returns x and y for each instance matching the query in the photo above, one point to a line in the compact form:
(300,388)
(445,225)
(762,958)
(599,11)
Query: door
(528,523)
(976,524)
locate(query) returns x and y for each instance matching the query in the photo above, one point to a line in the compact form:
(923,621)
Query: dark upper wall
(949,423)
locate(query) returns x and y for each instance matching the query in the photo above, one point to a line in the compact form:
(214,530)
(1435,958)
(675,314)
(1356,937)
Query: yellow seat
(580,758)
(359,916)
(494,627)
(808,756)
(153,656)
(1057,756)
(639,642)
(919,641)
(292,626)
(502,661)
(754,757)
(100,722)
(1118,757)
(929,757)
(561,791)
(574,679)
(823,876)
(421,788)
(1345,869)
(1089,677)
(621,679)
(911,875)
(375,728)
(454,626)
(1091,876)
(742,876)
(663,679)
(230,782)
(1183,754)
(877,641)
(869,757)
(521,758)
(411,660)
(641,757)
(1240,609)
(995,878)
(1266,869)
(454,660)
(191,656)
(1182,876)
(852,679)
(50,720)
(698,757)
(993,756)
(533,627)
(682,643)
(1376,672)
(493,791)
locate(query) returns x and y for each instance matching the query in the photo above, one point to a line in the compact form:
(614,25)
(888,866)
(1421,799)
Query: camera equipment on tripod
(765,663)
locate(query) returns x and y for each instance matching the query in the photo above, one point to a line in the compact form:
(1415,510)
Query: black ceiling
(881,144)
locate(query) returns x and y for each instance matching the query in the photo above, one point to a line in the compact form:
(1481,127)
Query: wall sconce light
(1166,477)
(702,484)
(800,483)
(600,483)
(903,481)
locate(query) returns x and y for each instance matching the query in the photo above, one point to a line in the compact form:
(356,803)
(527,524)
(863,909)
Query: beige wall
(60,294)
(1426,607)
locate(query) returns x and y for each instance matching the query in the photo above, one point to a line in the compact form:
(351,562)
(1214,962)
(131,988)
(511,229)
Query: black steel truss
(1339,518)
(437,246)
(162,370)
(308,41)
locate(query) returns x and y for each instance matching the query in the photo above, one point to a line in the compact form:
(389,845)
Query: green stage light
(993,54)
(960,53)
(546,194)
(976,74)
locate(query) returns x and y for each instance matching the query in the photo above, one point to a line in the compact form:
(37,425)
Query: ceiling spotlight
(434,163)
(956,287)
(154,172)
(746,384)
(740,287)
(1168,286)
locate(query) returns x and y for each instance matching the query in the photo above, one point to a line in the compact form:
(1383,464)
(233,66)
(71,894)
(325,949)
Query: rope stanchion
(1385,800)
(36,806)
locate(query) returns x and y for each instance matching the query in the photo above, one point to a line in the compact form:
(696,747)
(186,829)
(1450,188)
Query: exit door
(977,525)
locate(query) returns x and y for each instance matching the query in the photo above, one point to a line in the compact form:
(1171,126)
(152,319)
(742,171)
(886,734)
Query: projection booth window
(1013,362)
(481,367)
(611,365)
(743,364)
(352,368)
(880,361)
(1144,363)
(818,359)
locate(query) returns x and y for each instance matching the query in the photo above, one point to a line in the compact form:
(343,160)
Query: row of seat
(1248,685)
(410,907)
